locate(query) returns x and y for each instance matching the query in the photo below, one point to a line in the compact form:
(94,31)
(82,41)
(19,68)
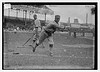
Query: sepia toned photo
(49,36)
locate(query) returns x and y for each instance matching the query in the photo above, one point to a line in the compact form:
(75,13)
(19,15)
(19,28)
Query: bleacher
(19,22)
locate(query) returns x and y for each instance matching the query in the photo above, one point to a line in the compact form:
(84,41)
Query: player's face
(57,19)
(35,16)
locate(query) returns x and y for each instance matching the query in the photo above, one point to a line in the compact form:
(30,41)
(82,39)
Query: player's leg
(39,32)
(36,35)
(43,45)
(51,44)
(42,37)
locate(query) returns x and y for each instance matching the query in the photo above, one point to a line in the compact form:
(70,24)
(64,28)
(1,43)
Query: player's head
(57,18)
(35,16)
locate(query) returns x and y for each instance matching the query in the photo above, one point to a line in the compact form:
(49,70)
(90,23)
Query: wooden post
(93,31)
(16,13)
(29,15)
(74,34)
(83,34)
(87,18)
(25,16)
(45,18)
(70,26)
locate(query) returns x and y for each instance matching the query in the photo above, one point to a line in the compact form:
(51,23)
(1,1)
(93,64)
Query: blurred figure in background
(38,28)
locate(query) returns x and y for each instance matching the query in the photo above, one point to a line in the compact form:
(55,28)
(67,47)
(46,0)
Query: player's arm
(47,28)
(60,27)
(39,24)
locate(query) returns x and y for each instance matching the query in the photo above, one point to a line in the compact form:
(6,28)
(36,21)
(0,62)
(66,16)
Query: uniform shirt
(37,23)
(52,27)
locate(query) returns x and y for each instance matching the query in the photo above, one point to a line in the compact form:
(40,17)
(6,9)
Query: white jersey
(52,27)
(60,25)
(55,23)
(37,23)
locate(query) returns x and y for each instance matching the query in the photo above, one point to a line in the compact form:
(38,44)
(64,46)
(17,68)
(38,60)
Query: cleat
(51,54)
(33,48)
(34,41)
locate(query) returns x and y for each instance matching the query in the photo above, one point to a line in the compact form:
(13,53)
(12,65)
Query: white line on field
(88,38)
(47,55)
(61,32)
(78,46)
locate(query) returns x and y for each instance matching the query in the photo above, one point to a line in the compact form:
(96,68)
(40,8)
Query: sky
(65,11)
(73,11)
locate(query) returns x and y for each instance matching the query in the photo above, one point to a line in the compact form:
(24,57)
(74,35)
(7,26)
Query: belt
(36,27)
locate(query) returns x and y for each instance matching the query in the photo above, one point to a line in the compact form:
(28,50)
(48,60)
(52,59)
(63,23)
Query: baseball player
(37,24)
(48,33)
(38,28)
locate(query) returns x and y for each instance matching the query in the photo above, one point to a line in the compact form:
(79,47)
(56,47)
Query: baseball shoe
(51,54)
(34,40)
(33,48)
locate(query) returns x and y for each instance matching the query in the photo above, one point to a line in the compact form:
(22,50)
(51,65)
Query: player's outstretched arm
(60,27)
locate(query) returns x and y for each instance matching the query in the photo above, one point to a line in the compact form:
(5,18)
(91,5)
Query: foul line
(79,46)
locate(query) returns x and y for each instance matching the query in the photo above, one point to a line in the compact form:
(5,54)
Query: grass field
(68,52)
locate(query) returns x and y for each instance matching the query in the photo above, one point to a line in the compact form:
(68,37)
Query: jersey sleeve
(58,26)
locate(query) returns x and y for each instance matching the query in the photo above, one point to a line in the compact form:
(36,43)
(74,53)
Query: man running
(48,33)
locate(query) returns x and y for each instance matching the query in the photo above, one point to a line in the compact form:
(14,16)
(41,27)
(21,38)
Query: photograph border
(59,3)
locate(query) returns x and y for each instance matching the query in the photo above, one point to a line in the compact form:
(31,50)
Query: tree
(93,10)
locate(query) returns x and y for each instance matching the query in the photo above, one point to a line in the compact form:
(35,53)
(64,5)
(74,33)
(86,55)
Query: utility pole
(70,25)
(17,10)
(25,17)
(29,15)
(86,18)
(86,22)
(69,20)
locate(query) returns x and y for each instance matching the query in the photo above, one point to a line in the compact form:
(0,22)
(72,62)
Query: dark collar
(55,21)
